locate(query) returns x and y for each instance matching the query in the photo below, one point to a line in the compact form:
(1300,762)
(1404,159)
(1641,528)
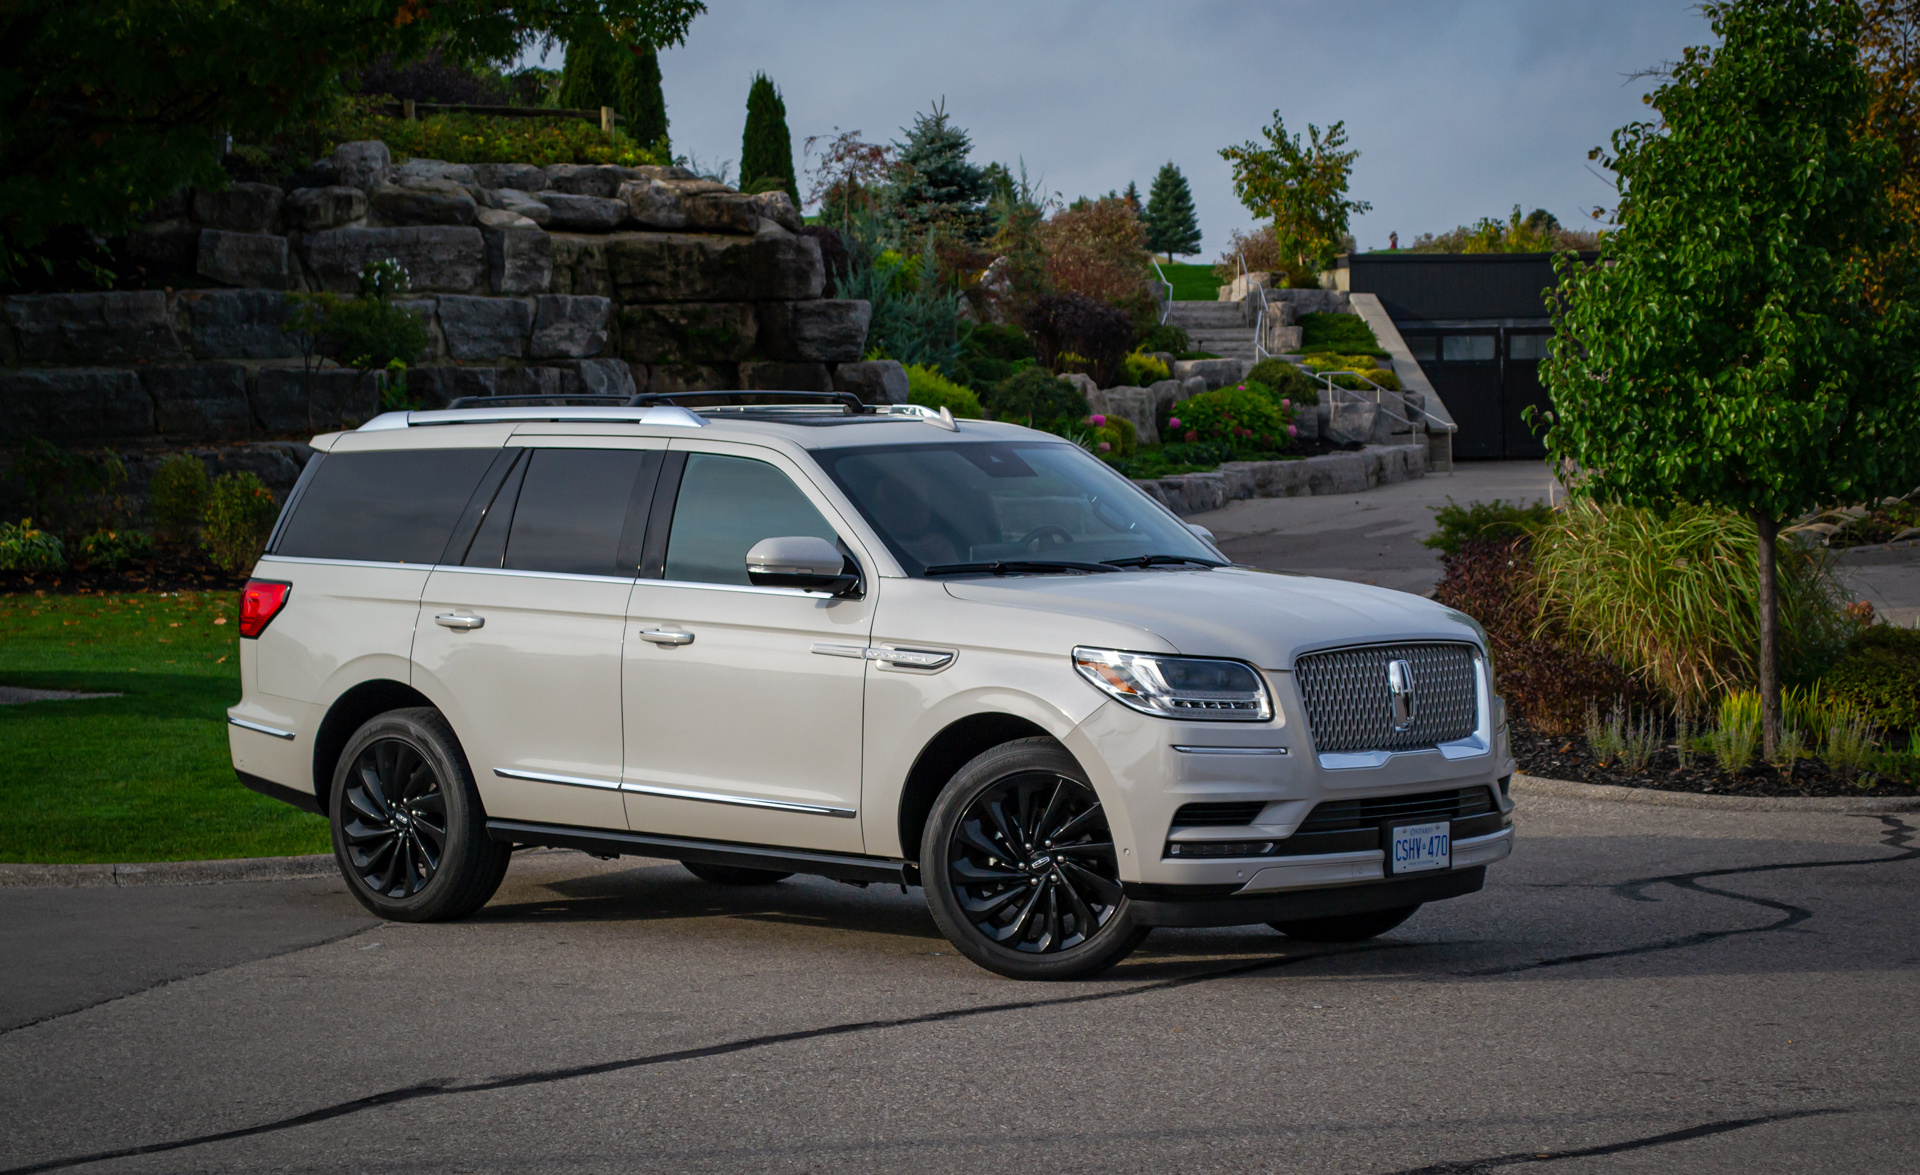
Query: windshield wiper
(1160,561)
(1015,567)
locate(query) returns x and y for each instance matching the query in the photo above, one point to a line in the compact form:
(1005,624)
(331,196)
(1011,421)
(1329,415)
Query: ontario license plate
(1415,848)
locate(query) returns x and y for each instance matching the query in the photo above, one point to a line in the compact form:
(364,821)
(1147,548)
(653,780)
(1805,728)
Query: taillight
(260,603)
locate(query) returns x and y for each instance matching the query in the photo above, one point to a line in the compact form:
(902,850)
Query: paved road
(1639,989)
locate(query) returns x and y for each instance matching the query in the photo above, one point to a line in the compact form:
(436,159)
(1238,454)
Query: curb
(168,872)
(1533,785)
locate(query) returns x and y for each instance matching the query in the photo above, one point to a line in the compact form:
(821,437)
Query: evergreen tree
(766,147)
(1172,227)
(939,187)
(601,71)
(1132,196)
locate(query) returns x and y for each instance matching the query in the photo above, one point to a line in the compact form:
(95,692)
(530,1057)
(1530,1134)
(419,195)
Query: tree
(766,147)
(1301,185)
(1890,49)
(938,189)
(1172,227)
(1724,351)
(110,105)
(1540,232)
(601,71)
(845,180)
(1132,197)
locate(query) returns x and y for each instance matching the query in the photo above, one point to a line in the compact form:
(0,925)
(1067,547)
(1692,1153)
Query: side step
(607,842)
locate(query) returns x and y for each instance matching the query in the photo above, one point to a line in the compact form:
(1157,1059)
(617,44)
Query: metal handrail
(1166,307)
(1326,380)
(1260,351)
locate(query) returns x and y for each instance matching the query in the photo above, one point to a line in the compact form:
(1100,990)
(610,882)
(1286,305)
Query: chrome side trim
(707,797)
(563,780)
(1230,750)
(727,587)
(260,728)
(826,650)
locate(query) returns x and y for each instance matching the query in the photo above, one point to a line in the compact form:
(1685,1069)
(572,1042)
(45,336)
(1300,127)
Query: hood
(1268,618)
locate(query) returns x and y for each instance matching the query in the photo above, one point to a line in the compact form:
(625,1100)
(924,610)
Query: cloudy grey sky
(1460,108)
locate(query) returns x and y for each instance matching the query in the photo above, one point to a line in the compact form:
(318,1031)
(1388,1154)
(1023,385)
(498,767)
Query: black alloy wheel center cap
(1040,863)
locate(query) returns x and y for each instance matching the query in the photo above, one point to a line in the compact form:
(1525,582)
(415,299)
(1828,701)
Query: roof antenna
(944,420)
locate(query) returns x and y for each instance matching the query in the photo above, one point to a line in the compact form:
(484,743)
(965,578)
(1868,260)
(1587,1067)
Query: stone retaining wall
(1330,473)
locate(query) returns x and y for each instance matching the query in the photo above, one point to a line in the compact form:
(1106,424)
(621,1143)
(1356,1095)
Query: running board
(606,842)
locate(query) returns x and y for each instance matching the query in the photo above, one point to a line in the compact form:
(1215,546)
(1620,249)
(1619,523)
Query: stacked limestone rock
(560,280)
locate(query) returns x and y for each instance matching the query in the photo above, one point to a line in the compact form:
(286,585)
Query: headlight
(1177,687)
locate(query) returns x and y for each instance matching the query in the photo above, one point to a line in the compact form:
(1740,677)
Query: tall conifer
(601,71)
(766,146)
(1172,227)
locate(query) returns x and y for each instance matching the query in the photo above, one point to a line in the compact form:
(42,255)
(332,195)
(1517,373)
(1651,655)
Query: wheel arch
(348,713)
(948,751)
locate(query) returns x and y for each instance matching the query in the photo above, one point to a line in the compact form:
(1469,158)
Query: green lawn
(1192,283)
(145,776)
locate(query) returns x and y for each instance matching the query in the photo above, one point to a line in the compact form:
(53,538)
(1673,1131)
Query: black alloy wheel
(1020,867)
(409,831)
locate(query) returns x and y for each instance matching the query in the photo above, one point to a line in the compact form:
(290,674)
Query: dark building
(1477,323)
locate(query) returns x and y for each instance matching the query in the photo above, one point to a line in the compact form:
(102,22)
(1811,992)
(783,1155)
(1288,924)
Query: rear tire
(1345,927)
(408,829)
(733,874)
(1019,868)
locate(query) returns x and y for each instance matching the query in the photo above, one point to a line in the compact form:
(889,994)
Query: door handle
(458,622)
(665,636)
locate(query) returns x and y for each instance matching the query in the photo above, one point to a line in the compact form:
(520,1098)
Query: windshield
(980,502)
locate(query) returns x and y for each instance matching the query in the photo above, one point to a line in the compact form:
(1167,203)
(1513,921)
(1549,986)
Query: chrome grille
(1349,707)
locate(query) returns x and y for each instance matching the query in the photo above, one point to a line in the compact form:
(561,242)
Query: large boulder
(73,404)
(1217,373)
(203,401)
(444,259)
(875,381)
(776,376)
(485,328)
(105,327)
(580,265)
(288,401)
(524,177)
(362,164)
(239,324)
(315,210)
(583,214)
(667,378)
(519,259)
(1137,405)
(688,332)
(611,377)
(165,245)
(685,267)
(253,260)
(692,205)
(423,202)
(825,330)
(523,202)
(1353,422)
(239,208)
(422,172)
(777,207)
(588,179)
(569,327)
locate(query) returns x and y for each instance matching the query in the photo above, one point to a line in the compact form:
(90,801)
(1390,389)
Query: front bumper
(1164,906)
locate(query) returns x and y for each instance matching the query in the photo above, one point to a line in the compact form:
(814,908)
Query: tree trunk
(1769,636)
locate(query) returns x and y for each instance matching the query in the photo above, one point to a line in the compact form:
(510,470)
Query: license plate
(1415,848)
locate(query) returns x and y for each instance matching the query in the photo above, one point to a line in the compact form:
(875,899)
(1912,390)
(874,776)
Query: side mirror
(1205,534)
(801,561)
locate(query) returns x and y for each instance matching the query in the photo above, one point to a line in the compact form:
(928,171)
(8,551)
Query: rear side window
(397,506)
(573,511)
(726,505)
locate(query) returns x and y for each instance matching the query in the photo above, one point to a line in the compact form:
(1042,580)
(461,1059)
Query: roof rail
(576,401)
(852,403)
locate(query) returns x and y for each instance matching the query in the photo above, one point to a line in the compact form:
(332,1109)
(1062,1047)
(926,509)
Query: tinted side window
(573,510)
(726,505)
(397,506)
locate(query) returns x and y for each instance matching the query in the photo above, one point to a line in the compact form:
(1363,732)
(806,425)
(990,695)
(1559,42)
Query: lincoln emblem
(1406,706)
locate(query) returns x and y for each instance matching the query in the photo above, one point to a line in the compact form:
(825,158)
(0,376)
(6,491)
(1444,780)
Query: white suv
(809,636)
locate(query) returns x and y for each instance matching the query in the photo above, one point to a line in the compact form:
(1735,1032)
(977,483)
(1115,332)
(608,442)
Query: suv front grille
(1349,706)
(1235,813)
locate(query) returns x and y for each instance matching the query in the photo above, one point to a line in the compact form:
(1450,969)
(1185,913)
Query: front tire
(408,829)
(1345,927)
(1019,866)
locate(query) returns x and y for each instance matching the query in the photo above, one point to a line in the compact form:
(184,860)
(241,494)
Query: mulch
(169,571)
(1568,757)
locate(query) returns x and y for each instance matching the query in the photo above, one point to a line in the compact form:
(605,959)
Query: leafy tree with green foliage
(110,105)
(766,146)
(1724,350)
(602,71)
(1301,185)
(938,189)
(1172,226)
(240,514)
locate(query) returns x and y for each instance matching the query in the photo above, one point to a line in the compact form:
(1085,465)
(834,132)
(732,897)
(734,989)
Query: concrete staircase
(1220,327)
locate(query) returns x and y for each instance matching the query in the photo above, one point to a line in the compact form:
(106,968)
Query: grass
(1192,283)
(144,776)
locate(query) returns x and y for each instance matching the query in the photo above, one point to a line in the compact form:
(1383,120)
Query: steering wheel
(1050,536)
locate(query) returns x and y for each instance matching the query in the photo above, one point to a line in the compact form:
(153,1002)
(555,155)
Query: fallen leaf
(220,620)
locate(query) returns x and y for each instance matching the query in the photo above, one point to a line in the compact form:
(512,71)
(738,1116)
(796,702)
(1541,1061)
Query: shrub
(369,332)
(240,514)
(108,549)
(1239,416)
(1346,333)
(1116,433)
(1038,398)
(178,494)
(1287,380)
(916,317)
(1075,323)
(1736,735)
(1098,249)
(1548,680)
(23,548)
(929,388)
(1497,521)
(1880,677)
(1162,337)
(1143,370)
(1673,598)
(474,138)
(69,491)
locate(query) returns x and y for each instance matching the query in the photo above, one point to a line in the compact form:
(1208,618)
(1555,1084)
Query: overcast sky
(1459,108)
